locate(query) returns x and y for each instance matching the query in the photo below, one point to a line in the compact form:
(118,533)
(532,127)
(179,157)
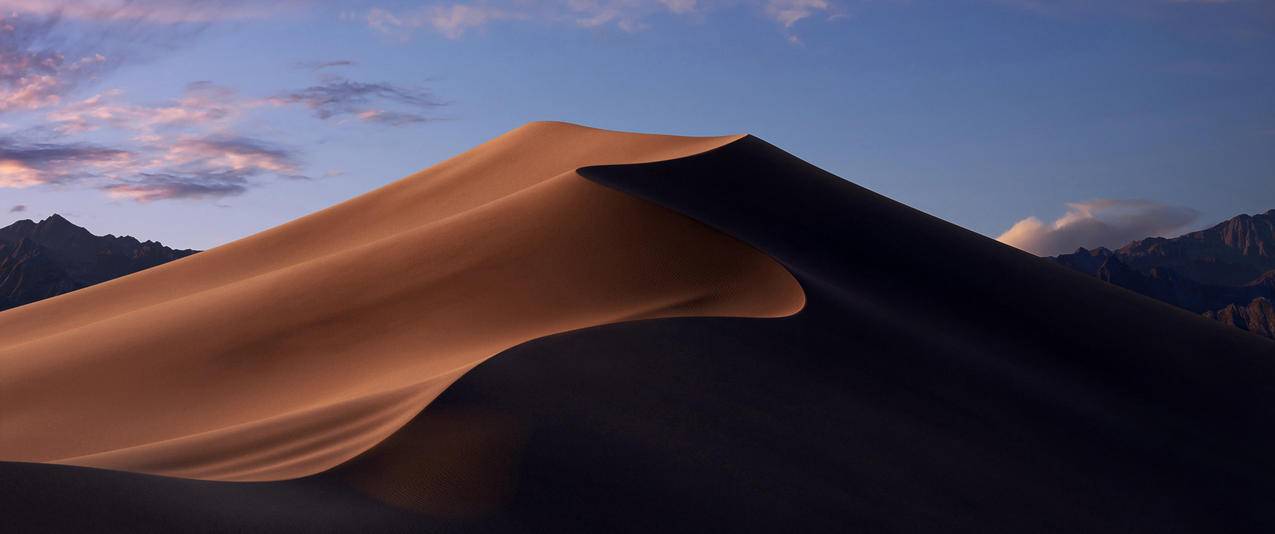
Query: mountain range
(1226,272)
(43,259)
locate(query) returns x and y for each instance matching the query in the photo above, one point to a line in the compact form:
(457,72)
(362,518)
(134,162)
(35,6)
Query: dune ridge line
(275,356)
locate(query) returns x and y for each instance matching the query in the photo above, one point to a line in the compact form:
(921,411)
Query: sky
(1050,125)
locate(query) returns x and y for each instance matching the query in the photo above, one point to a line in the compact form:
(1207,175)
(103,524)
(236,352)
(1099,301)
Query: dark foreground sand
(935,381)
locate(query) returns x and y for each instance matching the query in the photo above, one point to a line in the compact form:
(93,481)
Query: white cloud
(788,12)
(1095,223)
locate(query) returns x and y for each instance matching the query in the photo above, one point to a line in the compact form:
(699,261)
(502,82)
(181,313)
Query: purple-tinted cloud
(18,208)
(207,168)
(34,72)
(187,148)
(238,154)
(336,96)
(150,187)
(186,167)
(25,164)
(44,58)
(320,65)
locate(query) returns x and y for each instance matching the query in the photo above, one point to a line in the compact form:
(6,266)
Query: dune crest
(288,352)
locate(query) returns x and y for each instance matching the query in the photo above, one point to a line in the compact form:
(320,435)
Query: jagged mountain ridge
(1226,272)
(1258,317)
(1163,283)
(1232,253)
(43,259)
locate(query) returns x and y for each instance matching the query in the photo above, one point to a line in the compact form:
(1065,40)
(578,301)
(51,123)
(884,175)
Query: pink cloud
(234,154)
(34,74)
(187,166)
(24,164)
(202,104)
(155,11)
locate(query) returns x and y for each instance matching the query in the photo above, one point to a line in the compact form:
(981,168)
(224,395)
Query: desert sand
(289,352)
(693,335)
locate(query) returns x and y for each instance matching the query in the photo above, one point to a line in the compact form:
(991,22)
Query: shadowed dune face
(289,352)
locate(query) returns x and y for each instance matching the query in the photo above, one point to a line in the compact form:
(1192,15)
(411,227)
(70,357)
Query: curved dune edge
(288,352)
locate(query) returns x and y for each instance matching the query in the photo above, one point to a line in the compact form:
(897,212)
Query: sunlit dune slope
(291,351)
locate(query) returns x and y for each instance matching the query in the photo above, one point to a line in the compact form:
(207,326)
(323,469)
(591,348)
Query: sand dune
(288,352)
(867,368)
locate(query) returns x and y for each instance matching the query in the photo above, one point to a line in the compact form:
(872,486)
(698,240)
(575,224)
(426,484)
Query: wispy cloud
(202,104)
(210,155)
(191,167)
(47,53)
(1100,222)
(680,6)
(34,71)
(449,20)
(454,20)
(181,149)
(188,148)
(384,103)
(28,164)
(150,187)
(202,168)
(627,15)
(155,11)
(320,65)
(789,12)
(18,208)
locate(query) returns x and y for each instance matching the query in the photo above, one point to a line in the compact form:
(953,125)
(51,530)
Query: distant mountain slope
(54,256)
(1232,253)
(1225,272)
(1258,317)
(1165,284)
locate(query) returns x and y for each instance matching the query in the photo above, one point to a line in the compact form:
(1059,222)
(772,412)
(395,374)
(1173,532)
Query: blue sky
(1083,122)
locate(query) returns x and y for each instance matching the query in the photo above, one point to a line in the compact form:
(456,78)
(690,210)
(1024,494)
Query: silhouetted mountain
(1226,271)
(54,256)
